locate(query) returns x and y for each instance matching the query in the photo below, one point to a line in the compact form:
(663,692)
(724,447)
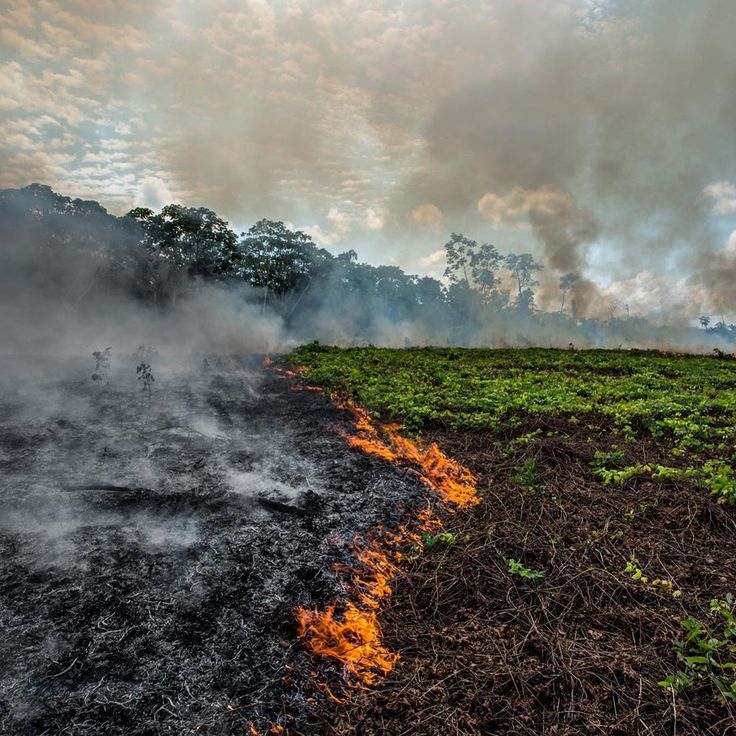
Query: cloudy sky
(598,134)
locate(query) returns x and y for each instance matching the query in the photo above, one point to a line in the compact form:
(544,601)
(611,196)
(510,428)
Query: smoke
(607,132)
(557,222)
(69,276)
(596,134)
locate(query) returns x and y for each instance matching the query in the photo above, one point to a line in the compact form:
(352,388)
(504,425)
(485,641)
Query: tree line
(75,250)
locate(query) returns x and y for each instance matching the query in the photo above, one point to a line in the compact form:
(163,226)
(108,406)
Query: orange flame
(354,639)
(453,482)
(351,633)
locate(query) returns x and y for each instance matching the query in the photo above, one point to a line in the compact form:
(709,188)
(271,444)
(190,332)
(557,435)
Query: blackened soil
(581,652)
(153,548)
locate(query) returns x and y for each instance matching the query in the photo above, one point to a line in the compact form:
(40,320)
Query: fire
(453,482)
(350,633)
(286,373)
(354,639)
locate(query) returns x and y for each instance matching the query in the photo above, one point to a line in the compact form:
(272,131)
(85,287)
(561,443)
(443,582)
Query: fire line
(350,631)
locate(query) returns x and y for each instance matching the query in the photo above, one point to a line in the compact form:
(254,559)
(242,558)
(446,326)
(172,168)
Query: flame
(353,638)
(453,482)
(350,632)
(287,373)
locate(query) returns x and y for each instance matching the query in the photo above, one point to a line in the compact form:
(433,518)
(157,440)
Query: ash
(154,544)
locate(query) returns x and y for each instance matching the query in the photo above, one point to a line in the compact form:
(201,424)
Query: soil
(153,547)
(580,652)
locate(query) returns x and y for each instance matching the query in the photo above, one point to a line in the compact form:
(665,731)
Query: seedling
(612,459)
(102,363)
(633,569)
(525,475)
(637,574)
(707,652)
(516,568)
(431,540)
(145,375)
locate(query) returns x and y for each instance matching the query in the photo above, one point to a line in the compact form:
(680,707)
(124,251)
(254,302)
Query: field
(591,589)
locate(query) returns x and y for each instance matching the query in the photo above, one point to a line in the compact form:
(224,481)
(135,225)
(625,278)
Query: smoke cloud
(605,127)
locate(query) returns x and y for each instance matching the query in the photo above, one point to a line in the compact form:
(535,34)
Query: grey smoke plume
(607,132)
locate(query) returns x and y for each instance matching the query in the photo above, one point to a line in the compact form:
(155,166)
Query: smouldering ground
(607,521)
(153,548)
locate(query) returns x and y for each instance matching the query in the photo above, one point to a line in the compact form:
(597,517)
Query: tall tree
(566,283)
(194,239)
(473,262)
(280,260)
(523,267)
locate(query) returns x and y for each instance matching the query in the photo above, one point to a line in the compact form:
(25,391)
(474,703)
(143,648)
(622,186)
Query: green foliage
(525,474)
(516,568)
(637,575)
(708,652)
(430,540)
(687,402)
(278,259)
(613,459)
(716,476)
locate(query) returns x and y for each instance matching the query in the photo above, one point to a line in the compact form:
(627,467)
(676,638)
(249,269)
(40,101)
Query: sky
(599,135)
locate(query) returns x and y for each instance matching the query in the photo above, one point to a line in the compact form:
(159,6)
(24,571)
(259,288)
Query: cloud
(154,193)
(724,194)
(428,216)
(434,263)
(578,125)
(372,219)
(545,202)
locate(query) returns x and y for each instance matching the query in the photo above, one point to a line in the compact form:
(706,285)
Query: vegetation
(708,652)
(607,474)
(74,252)
(688,400)
(516,568)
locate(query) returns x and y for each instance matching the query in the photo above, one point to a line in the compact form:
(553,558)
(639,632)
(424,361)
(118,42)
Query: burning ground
(155,547)
(231,552)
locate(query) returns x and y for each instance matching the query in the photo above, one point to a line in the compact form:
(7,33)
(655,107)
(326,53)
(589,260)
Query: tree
(193,239)
(523,267)
(704,321)
(474,263)
(181,243)
(429,292)
(566,283)
(280,260)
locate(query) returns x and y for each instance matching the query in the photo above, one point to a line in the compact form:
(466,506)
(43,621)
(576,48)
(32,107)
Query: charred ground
(153,548)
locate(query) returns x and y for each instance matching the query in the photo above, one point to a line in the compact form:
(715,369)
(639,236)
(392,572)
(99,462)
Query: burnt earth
(153,549)
(487,652)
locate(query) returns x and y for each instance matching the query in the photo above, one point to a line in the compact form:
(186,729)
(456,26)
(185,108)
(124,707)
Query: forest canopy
(75,252)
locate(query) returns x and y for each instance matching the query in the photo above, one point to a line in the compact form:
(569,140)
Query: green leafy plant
(516,568)
(708,652)
(637,574)
(525,474)
(614,458)
(430,540)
